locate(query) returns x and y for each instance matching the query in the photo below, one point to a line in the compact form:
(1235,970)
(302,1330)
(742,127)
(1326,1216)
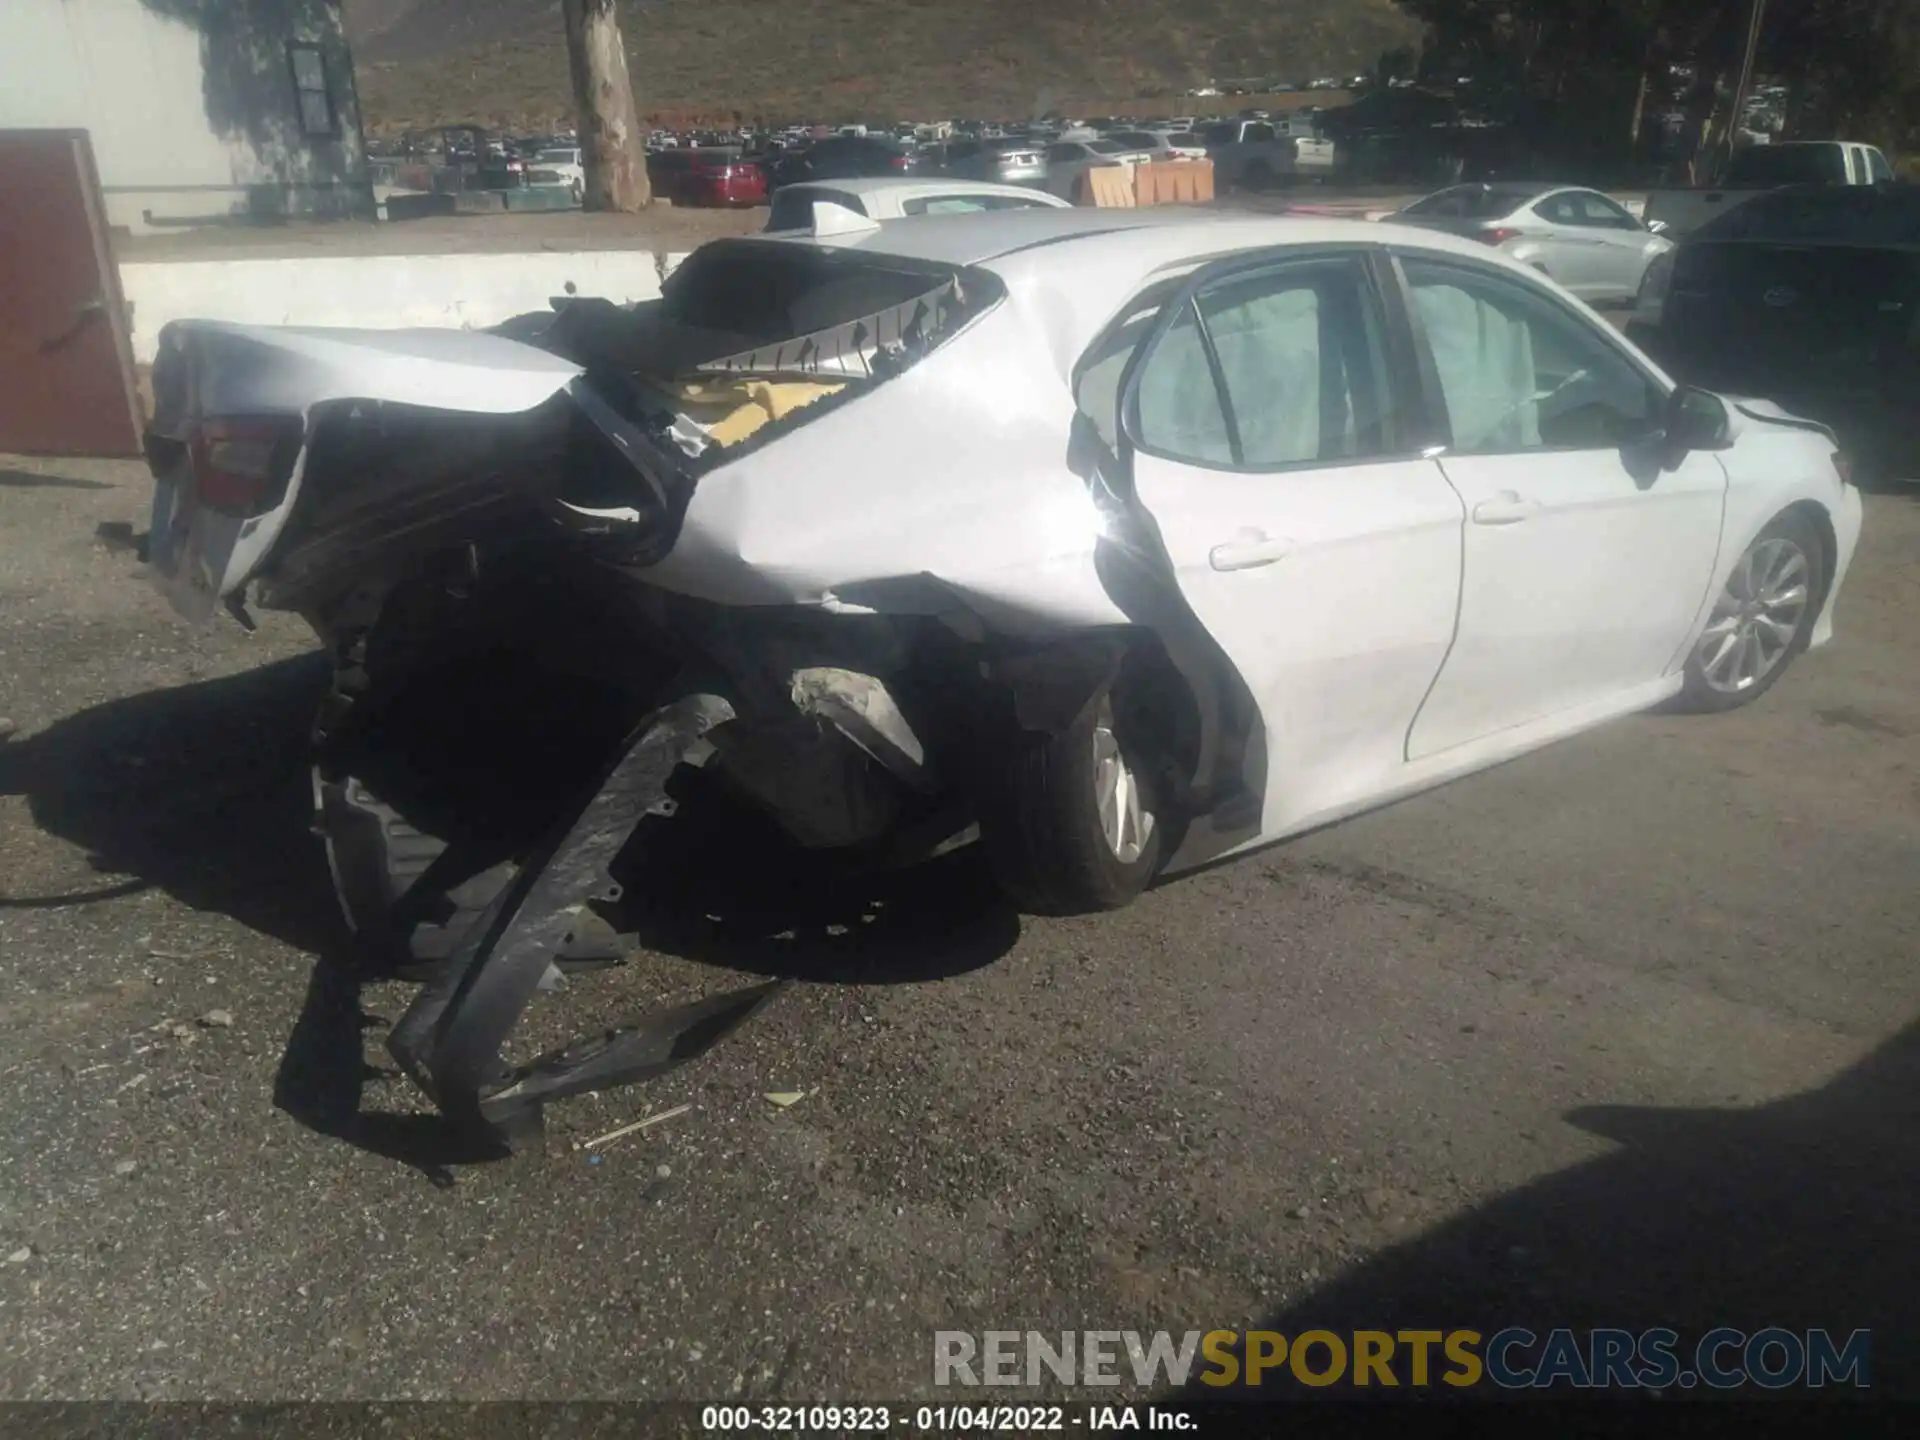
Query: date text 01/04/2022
(952,1419)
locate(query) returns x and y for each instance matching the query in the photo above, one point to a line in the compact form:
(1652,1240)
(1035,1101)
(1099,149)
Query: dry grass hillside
(503,62)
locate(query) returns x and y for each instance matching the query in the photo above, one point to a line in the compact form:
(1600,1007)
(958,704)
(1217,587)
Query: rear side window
(1181,413)
(944,204)
(1283,367)
(1878,170)
(1097,389)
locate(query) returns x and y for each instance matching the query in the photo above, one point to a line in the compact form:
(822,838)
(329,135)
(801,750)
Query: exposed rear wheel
(1074,823)
(437,789)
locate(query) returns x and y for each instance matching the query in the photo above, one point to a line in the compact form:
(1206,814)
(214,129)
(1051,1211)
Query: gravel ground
(1621,1033)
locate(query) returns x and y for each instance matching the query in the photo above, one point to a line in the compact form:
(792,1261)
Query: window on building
(310,90)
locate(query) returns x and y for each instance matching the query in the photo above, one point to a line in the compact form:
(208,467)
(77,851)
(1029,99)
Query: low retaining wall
(469,292)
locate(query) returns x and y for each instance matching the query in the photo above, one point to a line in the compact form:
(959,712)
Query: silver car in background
(1005,160)
(1588,242)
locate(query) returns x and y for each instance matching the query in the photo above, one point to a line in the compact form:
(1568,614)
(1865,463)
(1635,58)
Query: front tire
(1076,824)
(1763,618)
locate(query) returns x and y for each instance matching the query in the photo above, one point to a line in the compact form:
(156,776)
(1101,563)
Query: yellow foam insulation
(731,410)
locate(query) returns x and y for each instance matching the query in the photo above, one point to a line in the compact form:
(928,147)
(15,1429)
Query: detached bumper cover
(449,1041)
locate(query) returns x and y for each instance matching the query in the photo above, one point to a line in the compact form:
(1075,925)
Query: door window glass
(1280,367)
(1519,372)
(944,205)
(1180,408)
(1599,210)
(1097,390)
(1558,210)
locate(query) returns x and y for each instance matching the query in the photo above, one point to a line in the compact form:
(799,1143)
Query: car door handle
(1506,508)
(1250,551)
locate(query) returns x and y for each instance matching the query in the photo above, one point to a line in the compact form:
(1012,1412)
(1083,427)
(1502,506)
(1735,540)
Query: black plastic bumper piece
(450,1039)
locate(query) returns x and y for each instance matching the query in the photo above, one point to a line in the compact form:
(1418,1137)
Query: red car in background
(707,177)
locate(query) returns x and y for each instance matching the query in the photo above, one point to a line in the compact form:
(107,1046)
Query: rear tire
(1761,620)
(1073,822)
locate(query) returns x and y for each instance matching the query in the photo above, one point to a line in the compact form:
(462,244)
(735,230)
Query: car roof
(1161,236)
(889,184)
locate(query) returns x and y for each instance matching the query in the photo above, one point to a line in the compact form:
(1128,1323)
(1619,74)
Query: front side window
(1599,211)
(1558,210)
(1278,368)
(1519,372)
(310,89)
(1879,171)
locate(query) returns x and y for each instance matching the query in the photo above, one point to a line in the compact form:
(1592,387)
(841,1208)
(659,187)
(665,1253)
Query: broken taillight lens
(241,465)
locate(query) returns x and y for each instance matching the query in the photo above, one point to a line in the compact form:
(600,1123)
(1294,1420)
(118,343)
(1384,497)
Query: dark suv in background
(1810,297)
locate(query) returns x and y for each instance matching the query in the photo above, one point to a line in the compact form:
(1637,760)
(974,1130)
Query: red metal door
(66,367)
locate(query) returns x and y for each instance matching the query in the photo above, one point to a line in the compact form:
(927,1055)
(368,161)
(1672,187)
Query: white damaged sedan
(1119,541)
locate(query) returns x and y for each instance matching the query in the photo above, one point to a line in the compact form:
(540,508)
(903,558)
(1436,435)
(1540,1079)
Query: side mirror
(1695,420)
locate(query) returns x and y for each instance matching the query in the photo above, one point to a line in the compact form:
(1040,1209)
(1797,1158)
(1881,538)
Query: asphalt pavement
(1621,1033)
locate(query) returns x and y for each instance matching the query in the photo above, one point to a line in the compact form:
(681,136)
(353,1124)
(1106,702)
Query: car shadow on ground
(1801,1214)
(203,791)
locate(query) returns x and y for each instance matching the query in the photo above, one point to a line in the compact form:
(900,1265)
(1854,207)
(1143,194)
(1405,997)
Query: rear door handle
(1506,508)
(1250,551)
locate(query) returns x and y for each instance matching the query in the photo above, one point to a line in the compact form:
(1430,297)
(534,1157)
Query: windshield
(1138,139)
(558,157)
(1106,147)
(1788,165)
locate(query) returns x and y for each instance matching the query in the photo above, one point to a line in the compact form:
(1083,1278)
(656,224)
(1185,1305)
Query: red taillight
(1843,466)
(1498,235)
(241,465)
(898,162)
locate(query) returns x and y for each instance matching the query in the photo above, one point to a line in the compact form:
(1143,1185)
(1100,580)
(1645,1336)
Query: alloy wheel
(1124,818)
(1758,616)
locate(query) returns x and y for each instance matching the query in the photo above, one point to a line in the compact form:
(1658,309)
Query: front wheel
(1762,620)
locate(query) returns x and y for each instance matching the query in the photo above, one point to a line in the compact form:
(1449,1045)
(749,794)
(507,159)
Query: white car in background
(1069,160)
(1590,243)
(1121,541)
(1162,145)
(890,199)
(565,166)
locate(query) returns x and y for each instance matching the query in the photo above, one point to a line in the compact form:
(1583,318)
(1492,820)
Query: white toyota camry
(1119,540)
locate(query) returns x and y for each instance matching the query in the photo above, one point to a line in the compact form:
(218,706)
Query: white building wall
(379,292)
(184,119)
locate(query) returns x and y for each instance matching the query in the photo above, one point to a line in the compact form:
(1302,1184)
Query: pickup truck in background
(1756,169)
(1254,154)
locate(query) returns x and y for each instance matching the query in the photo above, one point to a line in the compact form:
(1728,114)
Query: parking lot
(1622,1033)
